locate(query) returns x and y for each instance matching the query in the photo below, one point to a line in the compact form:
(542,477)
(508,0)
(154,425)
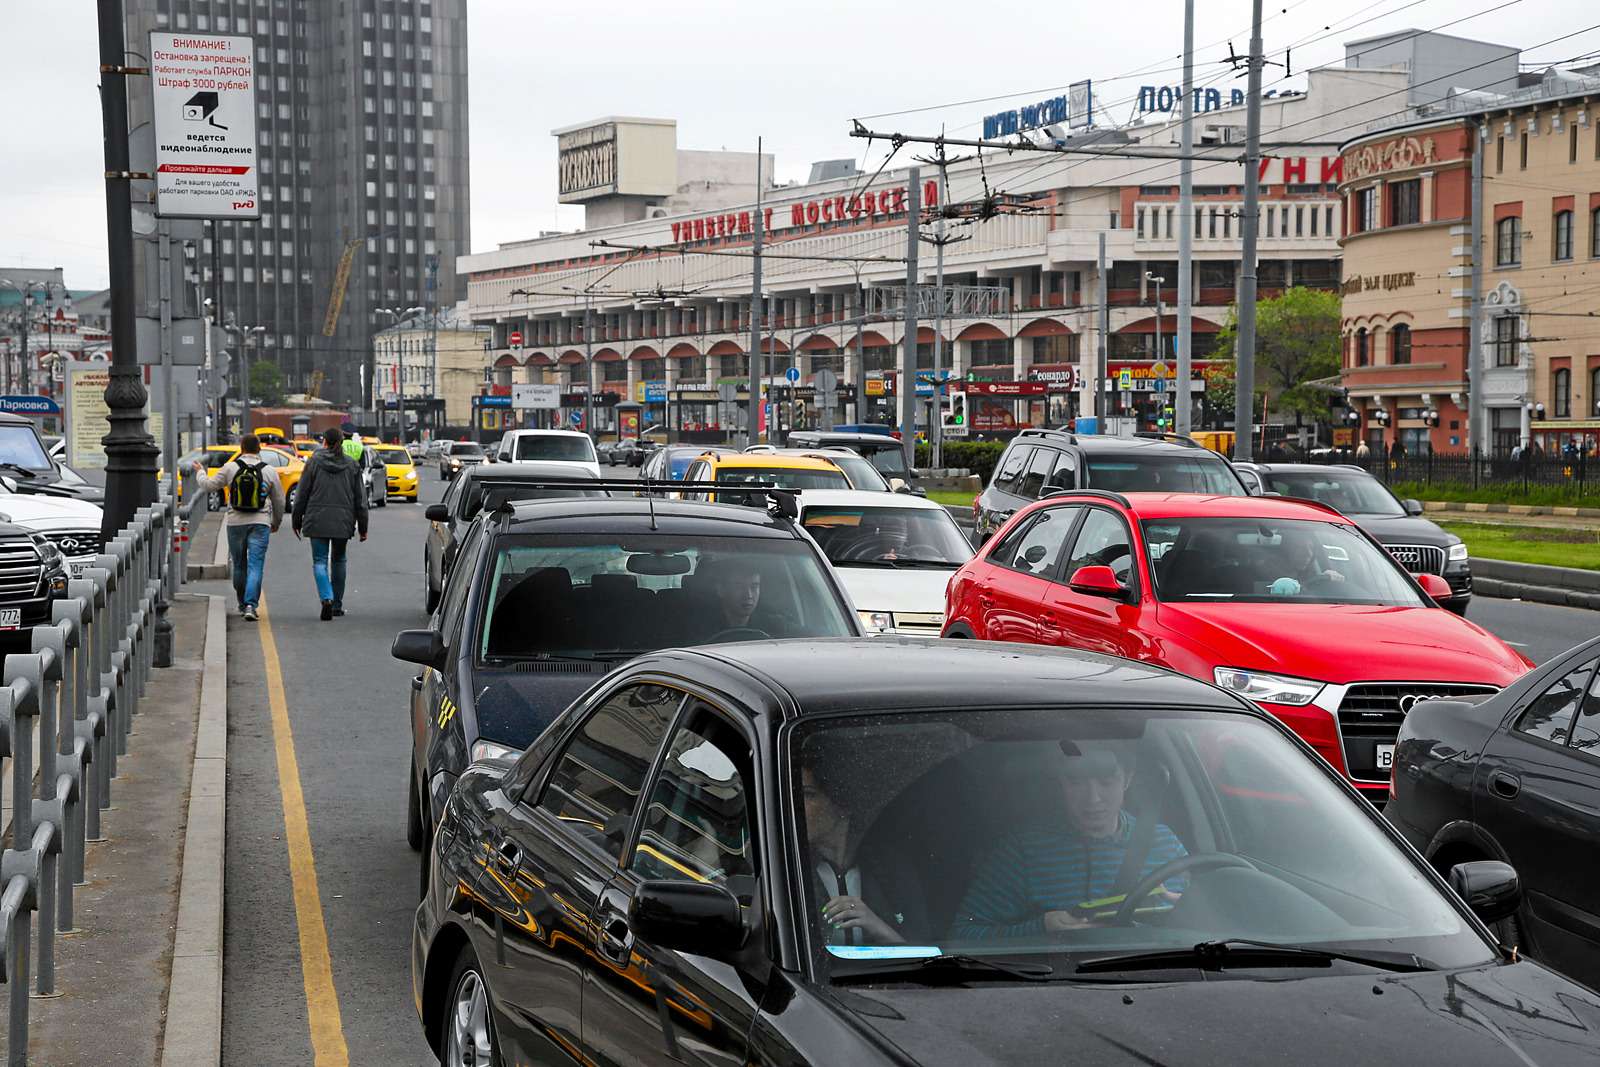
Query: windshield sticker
(883,952)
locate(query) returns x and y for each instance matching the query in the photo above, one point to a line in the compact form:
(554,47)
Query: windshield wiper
(1237,953)
(948,967)
(19,469)
(541,657)
(896,564)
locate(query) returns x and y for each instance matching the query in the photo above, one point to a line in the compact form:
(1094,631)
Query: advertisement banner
(526,397)
(203,97)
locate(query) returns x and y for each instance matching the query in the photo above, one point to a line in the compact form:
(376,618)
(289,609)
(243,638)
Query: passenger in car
(1053,880)
(1304,566)
(841,884)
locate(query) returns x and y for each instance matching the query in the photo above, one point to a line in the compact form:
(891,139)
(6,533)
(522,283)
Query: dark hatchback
(1419,545)
(858,852)
(1516,777)
(544,598)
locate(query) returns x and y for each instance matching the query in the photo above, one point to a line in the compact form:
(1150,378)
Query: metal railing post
(90,716)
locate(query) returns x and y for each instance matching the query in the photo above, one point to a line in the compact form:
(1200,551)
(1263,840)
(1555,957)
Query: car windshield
(488,495)
(890,462)
(1351,492)
(1294,561)
(1191,471)
(862,474)
(598,596)
(1068,834)
(869,536)
(394,455)
(466,448)
(678,463)
(558,447)
(783,477)
(19,446)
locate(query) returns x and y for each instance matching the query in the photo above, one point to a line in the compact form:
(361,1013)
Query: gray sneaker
(250,613)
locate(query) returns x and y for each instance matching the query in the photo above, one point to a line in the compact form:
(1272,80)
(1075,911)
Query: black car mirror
(422,647)
(437,513)
(1413,507)
(1490,888)
(658,564)
(694,917)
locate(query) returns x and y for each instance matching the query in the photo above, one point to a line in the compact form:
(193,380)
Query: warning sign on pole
(203,94)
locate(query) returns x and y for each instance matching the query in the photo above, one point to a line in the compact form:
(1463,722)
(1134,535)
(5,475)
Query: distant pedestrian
(353,447)
(330,508)
(255,511)
(1363,452)
(1397,451)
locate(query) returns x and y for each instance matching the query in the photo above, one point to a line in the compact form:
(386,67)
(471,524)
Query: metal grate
(85,542)
(1371,713)
(1418,559)
(20,569)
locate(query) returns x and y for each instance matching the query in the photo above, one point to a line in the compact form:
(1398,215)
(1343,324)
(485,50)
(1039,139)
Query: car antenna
(649,495)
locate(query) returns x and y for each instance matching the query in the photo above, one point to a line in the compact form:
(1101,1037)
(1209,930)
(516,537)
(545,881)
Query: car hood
(1515,1014)
(885,589)
(514,706)
(1404,530)
(48,512)
(1345,642)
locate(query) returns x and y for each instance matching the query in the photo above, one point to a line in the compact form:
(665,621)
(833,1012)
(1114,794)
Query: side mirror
(694,917)
(422,647)
(1437,588)
(437,513)
(899,485)
(1490,888)
(1097,580)
(502,457)
(1413,507)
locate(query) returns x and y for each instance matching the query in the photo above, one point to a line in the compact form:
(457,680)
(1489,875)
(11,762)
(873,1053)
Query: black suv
(1037,461)
(1416,543)
(33,575)
(546,597)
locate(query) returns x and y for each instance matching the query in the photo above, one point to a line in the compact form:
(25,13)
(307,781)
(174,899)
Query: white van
(548,446)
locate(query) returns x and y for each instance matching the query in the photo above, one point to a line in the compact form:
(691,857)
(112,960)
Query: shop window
(1363,354)
(1561,246)
(1561,393)
(1505,341)
(1508,242)
(1405,202)
(1400,345)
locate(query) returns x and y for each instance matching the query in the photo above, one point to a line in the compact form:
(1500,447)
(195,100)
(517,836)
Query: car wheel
(425,819)
(288,498)
(430,595)
(414,836)
(467,1027)
(1458,607)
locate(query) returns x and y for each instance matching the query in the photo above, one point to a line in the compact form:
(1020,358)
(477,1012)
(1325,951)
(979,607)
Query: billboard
(526,397)
(616,157)
(202,89)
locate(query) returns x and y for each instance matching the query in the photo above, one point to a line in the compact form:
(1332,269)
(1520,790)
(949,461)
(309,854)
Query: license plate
(1385,757)
(10,618)
(76,570)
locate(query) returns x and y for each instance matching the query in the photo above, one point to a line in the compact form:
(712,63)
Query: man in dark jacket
(330,506)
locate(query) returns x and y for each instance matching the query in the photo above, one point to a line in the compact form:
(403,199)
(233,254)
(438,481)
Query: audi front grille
(1371,713)
(1418,559)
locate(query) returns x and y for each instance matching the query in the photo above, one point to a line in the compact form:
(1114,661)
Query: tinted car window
(1102,541)
(557,447)
(696,826)
(597,778)
(1012,464)
(891,462)
(865,536)
(1191,470)
(1586,730)
(1549,717)
(1039,549)
(466,448)
(1032,480)
(1351,492)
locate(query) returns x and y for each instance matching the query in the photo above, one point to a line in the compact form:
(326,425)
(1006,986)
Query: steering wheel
(1206,861)
(921,551)
(738,633)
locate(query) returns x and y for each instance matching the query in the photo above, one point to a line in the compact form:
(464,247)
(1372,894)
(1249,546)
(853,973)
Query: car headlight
(1267,688)
(48,552)
(482,749)
(1458,550)
(877,622)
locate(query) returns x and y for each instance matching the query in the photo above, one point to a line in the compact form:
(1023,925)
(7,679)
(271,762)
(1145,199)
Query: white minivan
(548,446)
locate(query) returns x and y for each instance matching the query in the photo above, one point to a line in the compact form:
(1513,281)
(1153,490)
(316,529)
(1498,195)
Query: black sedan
(486,486)
(864,852)
(1516,777)
(546,597)
(1419,545)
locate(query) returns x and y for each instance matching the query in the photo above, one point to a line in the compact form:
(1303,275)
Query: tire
(413,807)
(430,595)
(1457,607)
(467,1015)
(288,498)
(425,817)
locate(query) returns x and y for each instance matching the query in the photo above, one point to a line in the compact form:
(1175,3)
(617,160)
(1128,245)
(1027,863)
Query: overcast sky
(728,71)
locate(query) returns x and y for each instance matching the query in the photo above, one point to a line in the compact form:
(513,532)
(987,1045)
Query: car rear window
(488,495)
(1189,471)
(557,447)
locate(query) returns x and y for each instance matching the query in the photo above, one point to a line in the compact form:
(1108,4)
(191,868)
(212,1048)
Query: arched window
(1400,344)
(1508,242)
(1563,394)
(1362,355)
(1562,232)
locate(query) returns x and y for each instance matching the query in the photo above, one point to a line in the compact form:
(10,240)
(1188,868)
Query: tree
(1297,343)
(266,383)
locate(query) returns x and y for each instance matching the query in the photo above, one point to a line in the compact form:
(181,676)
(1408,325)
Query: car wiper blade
(19,469)
(1242,953)
(565,657)
(948,967)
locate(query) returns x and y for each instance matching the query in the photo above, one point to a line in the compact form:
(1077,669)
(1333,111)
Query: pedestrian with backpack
(330,507)
(255,511)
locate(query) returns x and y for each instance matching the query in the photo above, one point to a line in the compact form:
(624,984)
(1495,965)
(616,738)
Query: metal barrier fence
(68,705)
(1576,475)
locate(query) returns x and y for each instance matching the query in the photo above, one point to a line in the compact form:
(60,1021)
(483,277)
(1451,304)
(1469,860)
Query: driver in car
(1306,566)
(738,591)
(1057,879)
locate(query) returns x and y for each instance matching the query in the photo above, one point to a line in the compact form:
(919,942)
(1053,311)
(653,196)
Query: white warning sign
(203,92)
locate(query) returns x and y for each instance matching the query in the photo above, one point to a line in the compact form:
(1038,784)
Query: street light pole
(245,335)
(398,348)
(1158,279)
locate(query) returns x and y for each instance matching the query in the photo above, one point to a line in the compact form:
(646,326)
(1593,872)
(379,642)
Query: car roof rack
(781,502)
(1045,431)
(1103,494)
(1174,438)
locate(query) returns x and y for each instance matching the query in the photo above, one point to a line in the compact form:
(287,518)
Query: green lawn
(951,497)
(1530,544)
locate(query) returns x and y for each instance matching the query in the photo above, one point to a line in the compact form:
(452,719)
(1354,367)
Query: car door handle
(507,858)
(1503,785)
(616,939)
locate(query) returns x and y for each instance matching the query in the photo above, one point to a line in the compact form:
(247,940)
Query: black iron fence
(1577,474)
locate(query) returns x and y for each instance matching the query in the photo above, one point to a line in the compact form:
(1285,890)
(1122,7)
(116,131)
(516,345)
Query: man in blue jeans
(255,510)
(330,506)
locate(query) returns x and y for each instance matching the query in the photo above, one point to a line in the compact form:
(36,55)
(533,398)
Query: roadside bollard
(92,729)
(78,732)
(102,675)
(48,811)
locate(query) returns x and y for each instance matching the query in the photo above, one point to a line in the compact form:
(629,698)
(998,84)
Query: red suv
(1285,602)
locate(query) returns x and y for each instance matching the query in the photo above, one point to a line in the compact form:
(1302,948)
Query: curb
(1512,509)
(219,567)
(193,1033)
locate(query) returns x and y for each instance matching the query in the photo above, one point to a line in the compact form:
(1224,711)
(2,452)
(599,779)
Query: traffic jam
(763,756)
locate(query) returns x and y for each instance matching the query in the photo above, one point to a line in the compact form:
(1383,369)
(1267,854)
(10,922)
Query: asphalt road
(319,913)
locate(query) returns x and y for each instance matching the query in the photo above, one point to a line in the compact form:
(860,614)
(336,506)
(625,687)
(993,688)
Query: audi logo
(1411,700)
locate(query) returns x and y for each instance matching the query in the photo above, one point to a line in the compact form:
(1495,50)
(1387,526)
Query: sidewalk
(1558,518)
(114,969)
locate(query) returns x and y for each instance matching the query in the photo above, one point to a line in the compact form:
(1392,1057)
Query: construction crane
(341,284)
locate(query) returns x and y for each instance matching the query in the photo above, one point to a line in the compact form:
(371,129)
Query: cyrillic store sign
(1074,110)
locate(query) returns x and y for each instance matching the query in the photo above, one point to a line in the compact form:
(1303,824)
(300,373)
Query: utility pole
(588,366)
(1158,279)
(936,420)
(1475,428)
(907,384)
(1100,345)
(1245,352)
(751,435)
(1181,403)
(130,452)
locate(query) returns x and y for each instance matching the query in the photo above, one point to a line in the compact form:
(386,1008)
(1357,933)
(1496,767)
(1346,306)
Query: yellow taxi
(282,459)
(752,468)
(304,447)
(270,435)
(399,469)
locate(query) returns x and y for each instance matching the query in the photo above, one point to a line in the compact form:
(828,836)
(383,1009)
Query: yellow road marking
(316,965)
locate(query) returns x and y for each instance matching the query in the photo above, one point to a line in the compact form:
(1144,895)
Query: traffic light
(955,414)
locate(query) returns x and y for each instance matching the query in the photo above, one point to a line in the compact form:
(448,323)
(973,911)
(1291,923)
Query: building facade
(436,364)
(362,138)
(1408,296)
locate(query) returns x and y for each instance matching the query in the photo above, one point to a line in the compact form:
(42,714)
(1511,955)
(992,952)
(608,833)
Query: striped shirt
(1036,871)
